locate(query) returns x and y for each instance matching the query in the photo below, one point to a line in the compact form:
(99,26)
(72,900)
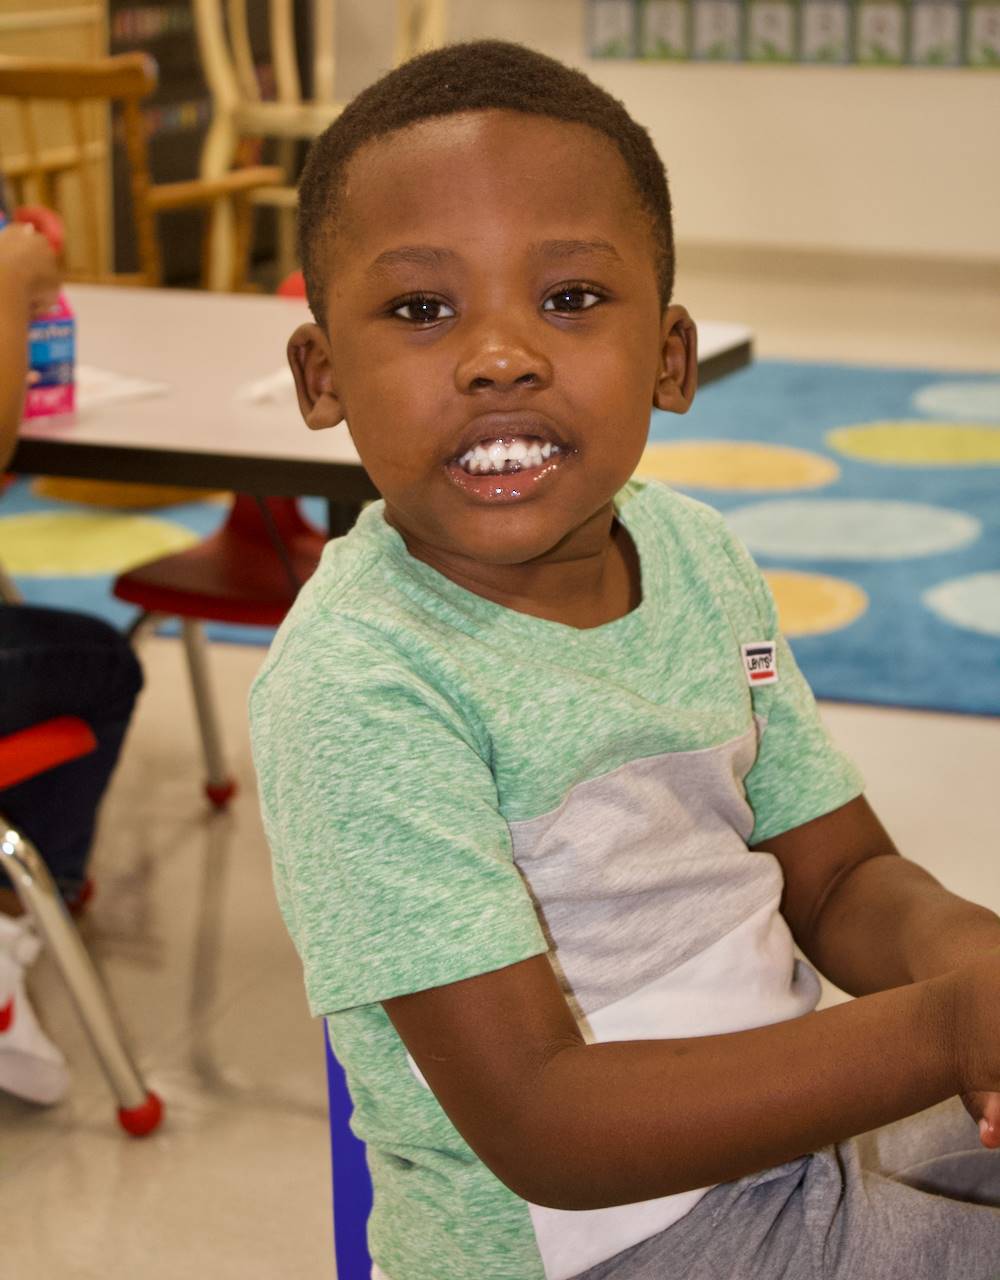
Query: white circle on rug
(83,544)
(972,602)
(975,401)
(851,529)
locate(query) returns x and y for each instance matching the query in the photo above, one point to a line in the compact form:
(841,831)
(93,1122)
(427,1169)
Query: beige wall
(847,159)
(860,159)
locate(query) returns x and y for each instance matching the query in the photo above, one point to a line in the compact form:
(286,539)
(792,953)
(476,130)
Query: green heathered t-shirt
(449,786)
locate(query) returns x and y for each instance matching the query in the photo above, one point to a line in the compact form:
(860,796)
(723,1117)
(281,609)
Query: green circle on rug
(736,464)
(851,528)
(83,544)
(919,444)
(971,602)
(977,401)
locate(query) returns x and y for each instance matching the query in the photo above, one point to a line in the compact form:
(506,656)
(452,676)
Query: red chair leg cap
(220,795)
(77,905)
(143,1119)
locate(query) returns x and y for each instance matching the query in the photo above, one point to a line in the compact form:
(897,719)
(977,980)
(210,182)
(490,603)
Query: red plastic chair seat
(44,746)
(235,575)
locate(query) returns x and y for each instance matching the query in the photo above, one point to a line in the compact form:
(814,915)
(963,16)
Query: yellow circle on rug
(736,464)
(919,444)
(80,544)
(811,603)
(117,493)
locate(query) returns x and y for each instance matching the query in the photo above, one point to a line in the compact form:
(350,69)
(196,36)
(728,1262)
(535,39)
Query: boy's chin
(513,548)
(522,535)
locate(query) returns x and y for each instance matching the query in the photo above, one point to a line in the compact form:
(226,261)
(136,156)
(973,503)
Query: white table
(206,347)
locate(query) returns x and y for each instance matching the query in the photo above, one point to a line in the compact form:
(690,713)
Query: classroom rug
(869,496)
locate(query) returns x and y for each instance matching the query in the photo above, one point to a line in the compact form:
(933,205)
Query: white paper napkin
(276,388)
(101,386)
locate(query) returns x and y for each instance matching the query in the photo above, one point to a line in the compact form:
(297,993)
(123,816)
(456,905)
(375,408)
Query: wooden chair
(69,178)
(240,115)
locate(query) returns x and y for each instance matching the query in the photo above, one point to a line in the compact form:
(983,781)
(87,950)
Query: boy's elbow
(544,1158)
(545,1183)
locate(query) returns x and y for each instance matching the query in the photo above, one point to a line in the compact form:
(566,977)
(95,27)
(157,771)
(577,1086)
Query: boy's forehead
(503,166)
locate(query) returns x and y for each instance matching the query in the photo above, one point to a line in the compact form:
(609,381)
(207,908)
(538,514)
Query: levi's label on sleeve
(761,662)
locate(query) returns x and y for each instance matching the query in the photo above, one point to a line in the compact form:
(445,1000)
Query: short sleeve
(392,862)
(799,774)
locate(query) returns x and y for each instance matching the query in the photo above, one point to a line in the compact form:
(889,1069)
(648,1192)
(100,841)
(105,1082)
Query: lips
(520,479)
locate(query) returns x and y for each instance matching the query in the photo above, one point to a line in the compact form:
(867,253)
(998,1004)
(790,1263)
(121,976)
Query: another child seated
(543,839)
(53,662)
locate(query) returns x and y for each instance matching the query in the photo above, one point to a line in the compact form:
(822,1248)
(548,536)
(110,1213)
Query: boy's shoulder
(684,519)
(694,546)
(372,623)
(347,608)
(668,504)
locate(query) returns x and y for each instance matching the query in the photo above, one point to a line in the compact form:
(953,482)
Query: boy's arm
(865,916)
(870,919)
(577,1126)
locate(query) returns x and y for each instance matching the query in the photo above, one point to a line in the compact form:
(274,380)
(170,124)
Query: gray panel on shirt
(644,867)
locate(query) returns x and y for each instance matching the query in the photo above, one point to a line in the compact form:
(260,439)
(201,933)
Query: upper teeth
(496,456)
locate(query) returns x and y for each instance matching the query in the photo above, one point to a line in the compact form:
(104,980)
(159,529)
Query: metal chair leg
(142,626)
(140,1110)
(220,786)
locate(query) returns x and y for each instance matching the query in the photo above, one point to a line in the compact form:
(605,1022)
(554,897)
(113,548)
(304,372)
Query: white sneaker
(31,1066)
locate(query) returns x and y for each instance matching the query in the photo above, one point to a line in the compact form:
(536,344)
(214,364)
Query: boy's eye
(422,310)
(576,297)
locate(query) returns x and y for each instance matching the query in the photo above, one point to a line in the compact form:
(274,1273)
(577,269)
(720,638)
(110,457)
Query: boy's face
(494,337)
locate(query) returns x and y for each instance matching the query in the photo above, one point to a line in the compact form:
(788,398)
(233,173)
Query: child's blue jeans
(55,663)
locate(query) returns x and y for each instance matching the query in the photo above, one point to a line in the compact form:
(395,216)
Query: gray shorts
(913,1201)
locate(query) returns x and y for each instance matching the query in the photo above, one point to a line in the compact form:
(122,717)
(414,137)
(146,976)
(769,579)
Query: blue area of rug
(899,651)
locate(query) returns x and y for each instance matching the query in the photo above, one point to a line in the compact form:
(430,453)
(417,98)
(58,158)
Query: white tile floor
(187,933)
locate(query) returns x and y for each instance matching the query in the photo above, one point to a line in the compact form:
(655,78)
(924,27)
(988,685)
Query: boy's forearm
(890,922)
(614,1123)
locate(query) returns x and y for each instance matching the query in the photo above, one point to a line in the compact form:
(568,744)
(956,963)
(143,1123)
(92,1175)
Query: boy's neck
(589,589)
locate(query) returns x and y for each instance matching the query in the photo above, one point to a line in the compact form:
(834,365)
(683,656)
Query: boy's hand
(985,1110)
(29,265)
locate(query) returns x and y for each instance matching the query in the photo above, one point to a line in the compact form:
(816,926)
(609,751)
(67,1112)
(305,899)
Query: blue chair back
(352,1185)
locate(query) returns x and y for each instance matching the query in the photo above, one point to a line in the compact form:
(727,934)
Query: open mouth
(507,455)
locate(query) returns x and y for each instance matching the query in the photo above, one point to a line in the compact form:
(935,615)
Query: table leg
(340,517)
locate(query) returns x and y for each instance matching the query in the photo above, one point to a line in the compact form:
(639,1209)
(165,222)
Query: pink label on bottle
(43,402)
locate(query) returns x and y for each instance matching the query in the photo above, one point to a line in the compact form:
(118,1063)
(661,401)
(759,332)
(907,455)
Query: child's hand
(985,1110)
(29,265)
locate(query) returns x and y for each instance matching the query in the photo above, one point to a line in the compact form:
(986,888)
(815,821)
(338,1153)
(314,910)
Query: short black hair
(480,75)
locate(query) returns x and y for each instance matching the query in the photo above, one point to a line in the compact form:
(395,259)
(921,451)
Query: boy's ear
(309,357)
(677,379)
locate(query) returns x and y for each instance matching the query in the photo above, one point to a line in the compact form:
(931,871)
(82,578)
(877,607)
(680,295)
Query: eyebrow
(574,249)
(412,255)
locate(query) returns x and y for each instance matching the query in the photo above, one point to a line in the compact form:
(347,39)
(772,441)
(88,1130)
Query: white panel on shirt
(708,995)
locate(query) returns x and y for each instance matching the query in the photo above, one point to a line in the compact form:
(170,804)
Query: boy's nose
(501,364)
